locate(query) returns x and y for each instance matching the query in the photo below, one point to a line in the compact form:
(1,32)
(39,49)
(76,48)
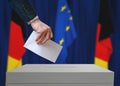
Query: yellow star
(63,8)
(67,28)
(61,41)
(71,18)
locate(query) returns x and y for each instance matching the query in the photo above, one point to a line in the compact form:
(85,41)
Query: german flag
(16,42)
(103,50)
(103,41)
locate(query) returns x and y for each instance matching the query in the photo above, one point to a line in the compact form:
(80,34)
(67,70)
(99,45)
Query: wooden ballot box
(60,75)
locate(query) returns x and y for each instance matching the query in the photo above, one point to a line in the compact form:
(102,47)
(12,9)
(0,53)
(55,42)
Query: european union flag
(65,30)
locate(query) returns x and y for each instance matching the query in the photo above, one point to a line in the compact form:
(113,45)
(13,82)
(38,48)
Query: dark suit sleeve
(24,9)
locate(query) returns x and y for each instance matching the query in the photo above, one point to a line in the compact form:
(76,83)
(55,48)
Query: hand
(44,31)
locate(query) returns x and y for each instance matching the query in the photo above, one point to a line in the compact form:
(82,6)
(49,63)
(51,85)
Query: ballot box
(60,75)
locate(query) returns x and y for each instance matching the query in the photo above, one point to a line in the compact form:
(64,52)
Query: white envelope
(50,50)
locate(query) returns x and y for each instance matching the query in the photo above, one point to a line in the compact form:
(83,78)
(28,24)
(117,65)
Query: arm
(26,11)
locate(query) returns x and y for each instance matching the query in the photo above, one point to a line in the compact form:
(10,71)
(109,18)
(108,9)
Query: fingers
(43,37)
(43,30)
(40,37)
(46,38)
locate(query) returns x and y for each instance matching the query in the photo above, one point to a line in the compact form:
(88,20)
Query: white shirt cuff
(33,20)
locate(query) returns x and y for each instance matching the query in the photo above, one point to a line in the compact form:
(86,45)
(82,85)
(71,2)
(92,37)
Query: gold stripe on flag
(101,63)
(13,63)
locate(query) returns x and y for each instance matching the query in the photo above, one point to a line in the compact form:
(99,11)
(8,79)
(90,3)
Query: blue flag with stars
(64,31)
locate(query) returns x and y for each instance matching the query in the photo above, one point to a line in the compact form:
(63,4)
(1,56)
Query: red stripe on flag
(16,42)
(103,47)
(98,33)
